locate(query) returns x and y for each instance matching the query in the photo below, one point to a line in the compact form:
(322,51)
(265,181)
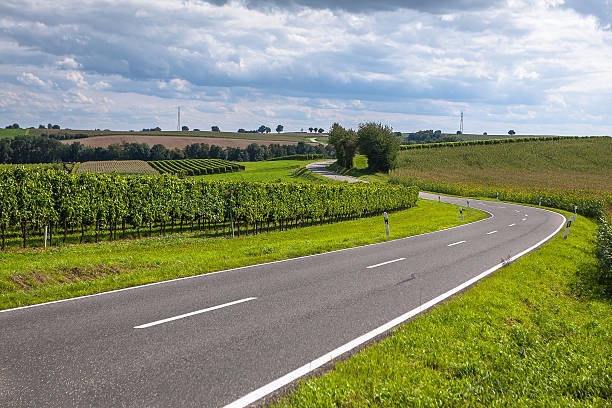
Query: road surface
(234,336)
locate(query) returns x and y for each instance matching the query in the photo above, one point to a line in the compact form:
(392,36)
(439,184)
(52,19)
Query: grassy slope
(270,171)
(84,269)
(13,132)
(360,170)
(533,334)
(563,164)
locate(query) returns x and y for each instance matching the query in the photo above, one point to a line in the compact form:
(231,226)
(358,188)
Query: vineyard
(487,142)
(118,166)
(31,200)
(195,167)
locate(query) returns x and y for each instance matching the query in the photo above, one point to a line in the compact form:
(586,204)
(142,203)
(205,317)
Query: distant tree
(459,132)
(321,130)
(41,126)
(268,130)
(379,144)
(49,126)
(262,129)
(484,133)
(310,129)
(195,130)
(215,128)
(156,129)
(241,130)
(55,127)
(185,129)
(279,128)
(13,126)
(511,132)
(345,143)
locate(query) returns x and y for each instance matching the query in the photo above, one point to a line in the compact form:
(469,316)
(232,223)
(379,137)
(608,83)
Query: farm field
(13,132)
(34,276)
(195,167)
(535,333)
(55,166)
(119,166)
(178,142)
(273,171)
(473,136)
(584,164)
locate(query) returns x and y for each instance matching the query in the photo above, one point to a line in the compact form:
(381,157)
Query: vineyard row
(33,199)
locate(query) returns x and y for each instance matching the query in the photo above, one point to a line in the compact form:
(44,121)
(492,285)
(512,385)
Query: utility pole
(461,125)
(178,122)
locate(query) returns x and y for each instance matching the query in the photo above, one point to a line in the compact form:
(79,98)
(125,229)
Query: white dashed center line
(170,319)
(456,243)
(512,225)
(385,263)
(492,232)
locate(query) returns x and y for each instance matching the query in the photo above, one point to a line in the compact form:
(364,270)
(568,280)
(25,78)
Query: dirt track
(171,142)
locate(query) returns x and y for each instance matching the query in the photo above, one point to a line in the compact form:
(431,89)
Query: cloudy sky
(536,66)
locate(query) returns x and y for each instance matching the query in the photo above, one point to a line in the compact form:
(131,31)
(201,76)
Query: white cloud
(30,79)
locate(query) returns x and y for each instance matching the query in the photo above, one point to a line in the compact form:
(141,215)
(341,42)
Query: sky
(535,66)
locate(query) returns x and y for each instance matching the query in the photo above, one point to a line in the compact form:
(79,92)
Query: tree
(484,133)
(459,132)
(55,127)
(321,130)
(268,130)
(185,129)
(379,144)
(215,128)
(262,129)
(511,132)
(345,143)
(310,129)
(49,126)
(279,128)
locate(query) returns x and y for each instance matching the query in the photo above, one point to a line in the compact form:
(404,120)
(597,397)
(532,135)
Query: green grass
(360,170)
(6,133)
(270,171)
(535,334)
(34,276)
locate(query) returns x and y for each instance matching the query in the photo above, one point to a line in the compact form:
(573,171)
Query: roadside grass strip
(535,333)
(37,276)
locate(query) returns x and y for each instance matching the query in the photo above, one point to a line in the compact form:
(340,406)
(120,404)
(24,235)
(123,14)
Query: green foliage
(486,142)
(195,167)
(379,144)
(95,201)
(345,143)
(604,256)
(299,157)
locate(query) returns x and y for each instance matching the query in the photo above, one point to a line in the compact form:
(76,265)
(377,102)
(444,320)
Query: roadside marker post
(386,222)
(46,230)
(461,213)
(497,195)
(468,203)
(438,198)
(540,202)
(567,228)
(575,211)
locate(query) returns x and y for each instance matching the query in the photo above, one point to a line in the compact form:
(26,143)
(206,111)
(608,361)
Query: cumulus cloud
(359,60)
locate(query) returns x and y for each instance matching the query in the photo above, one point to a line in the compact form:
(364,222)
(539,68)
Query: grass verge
(35,276)
(536,333)
(267,171)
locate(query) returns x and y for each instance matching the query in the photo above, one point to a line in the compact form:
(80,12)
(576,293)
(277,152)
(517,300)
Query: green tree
(511,132)
(279,128)
(379,144)
(345,143)
(215,128)
(185,128)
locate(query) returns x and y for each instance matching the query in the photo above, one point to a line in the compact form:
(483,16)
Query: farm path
(319,168)
(231,338)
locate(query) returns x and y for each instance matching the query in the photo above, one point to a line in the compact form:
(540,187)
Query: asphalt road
(253,325)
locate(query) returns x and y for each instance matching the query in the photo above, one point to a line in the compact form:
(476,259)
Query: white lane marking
(526,215)
(517,210)
(313,365)
(385,263)
(239,268)
(209,309)
(492,232)
(501,207)
(512,225)
(456,243)
(524,219)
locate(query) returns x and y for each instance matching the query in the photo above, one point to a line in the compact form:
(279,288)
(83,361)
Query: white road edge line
(456,243)
(512,225)
(209,309)
(385,263)
(492,232)
(313,365)
(209,274)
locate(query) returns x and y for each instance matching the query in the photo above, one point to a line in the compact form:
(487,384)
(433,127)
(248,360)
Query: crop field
(577,168)
(13,132)
(118,166)
(472,136)
(42,166)
(176,142)
(195,167)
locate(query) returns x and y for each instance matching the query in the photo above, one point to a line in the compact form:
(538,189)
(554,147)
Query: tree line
(42,149)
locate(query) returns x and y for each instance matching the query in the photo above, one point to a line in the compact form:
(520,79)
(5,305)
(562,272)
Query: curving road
(232,337)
